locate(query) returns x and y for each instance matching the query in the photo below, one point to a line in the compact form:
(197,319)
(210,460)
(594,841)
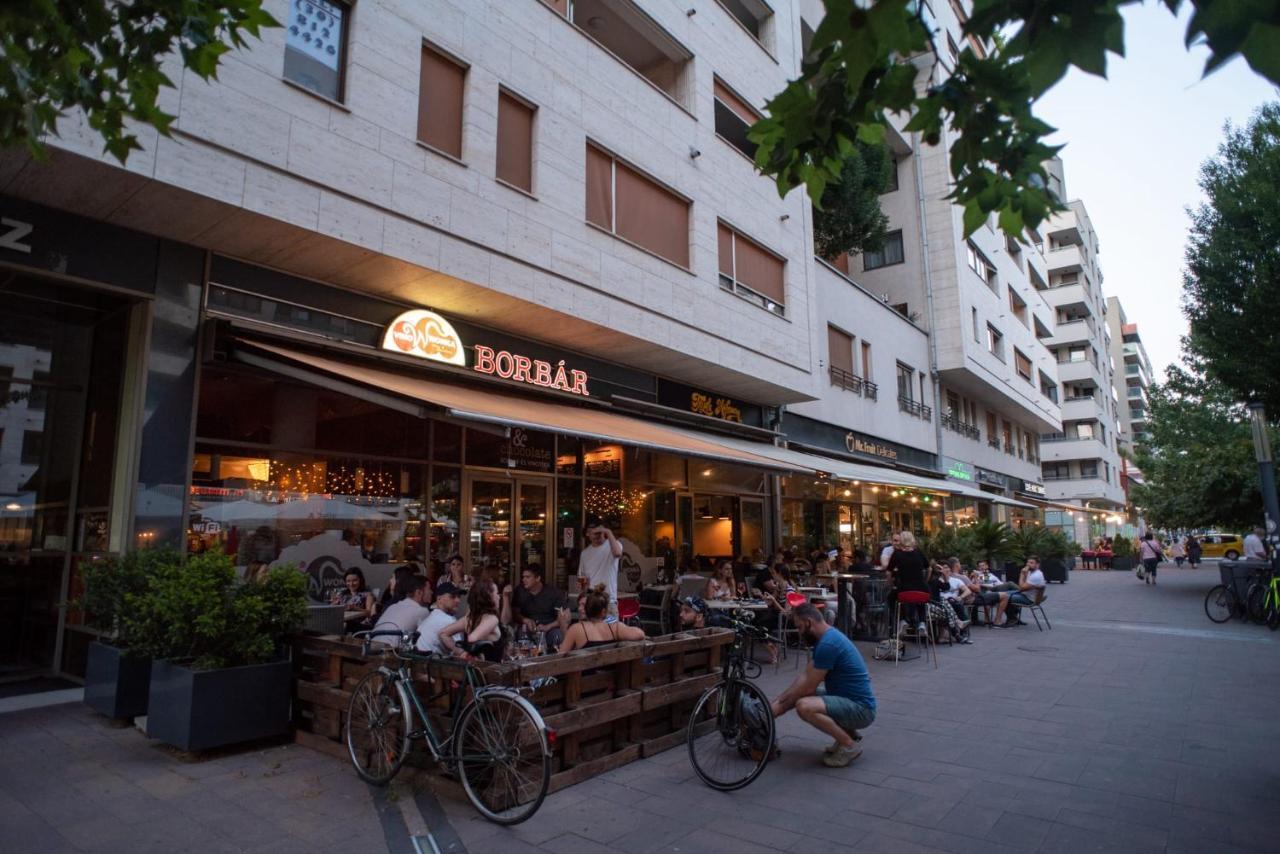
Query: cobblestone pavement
(1133,725)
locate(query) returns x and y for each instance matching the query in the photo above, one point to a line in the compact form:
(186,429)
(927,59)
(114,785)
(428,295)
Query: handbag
(1140,571)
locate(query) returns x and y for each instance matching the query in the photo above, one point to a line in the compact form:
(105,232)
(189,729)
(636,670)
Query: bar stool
(921,598)
(795,600)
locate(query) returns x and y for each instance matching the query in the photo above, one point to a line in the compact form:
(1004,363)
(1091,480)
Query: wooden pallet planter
(609,705)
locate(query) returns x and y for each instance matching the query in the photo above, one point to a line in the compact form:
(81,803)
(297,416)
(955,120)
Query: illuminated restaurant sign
(858,445)
(522,369)
(1032,488)
(426,335)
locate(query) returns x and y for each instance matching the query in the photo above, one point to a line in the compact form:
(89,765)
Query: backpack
(754,723)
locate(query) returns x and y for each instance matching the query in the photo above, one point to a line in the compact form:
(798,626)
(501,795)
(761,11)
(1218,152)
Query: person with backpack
(834,694)
(1150,552)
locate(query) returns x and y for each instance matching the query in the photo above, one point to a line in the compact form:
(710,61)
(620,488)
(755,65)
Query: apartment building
(1133,374)
(991,381)
(1081,462)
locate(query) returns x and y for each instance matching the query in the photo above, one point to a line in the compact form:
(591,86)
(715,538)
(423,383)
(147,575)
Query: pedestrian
(1178,551)
(1193,551)
(1254,548)
(598,563)
(1150,553)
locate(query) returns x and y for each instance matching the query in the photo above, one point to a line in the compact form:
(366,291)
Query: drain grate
(1039,649)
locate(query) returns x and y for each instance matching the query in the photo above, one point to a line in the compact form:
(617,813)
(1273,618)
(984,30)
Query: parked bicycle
(498,745)
(1222,603)
(1263,598)
(731,731)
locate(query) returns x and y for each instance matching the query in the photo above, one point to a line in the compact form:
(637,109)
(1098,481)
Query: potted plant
(1057,555)
(1121,552)
(219,672)
(990,541)
(117,675)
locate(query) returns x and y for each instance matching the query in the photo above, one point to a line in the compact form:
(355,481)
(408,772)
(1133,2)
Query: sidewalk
(1134,725)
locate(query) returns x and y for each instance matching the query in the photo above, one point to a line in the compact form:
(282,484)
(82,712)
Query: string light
(599,499)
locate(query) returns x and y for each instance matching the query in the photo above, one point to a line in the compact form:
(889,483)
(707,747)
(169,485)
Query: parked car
(1230,546)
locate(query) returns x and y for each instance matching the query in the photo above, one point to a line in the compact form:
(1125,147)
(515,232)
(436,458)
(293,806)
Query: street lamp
(1266,471)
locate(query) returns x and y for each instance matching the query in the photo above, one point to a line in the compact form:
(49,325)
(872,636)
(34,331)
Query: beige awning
(843,469)
(495,407)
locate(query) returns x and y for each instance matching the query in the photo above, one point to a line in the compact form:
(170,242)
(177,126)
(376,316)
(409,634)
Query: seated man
(535,606)
(834,694)
(694,613)
(406,615)
(958,593)
(1030,591)
(445,612)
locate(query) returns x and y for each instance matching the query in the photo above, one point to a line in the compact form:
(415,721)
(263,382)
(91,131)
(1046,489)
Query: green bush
(1026,541)
(1055,545)
(1121,546)
(991,541)
(107,584)
(196,611)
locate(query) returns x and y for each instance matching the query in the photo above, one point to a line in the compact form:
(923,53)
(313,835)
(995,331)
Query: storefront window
(444,503)
(446,442)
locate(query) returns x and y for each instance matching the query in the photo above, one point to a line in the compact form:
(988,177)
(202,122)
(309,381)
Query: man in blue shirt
(834,693)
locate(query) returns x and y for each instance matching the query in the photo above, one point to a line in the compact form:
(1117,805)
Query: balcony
(1080,371)
(1072,332)
(1054,449)
(1081,408)
(912,407)
(1070,296)
(955,425)
(1065,258)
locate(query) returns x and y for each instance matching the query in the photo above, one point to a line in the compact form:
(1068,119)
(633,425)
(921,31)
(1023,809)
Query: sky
(1134,145)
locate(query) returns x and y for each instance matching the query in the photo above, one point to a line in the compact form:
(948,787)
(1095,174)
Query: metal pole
(1267,476)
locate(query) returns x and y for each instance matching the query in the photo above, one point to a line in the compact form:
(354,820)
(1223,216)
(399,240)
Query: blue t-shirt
(846,671)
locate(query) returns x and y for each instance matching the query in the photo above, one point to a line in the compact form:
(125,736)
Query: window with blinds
(734,117)
(442,83)
(751,271)
(515,141)
(636,208)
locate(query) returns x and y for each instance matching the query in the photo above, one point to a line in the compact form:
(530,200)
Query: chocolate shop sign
(857,445)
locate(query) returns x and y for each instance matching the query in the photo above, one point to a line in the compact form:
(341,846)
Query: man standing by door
(598,563)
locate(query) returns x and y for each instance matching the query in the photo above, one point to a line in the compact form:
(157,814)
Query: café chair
(921,598)
(794,600)
(655,610)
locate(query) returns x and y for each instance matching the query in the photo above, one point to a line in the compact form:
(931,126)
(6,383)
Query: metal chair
(921,598)
(1037,610)
(655,610)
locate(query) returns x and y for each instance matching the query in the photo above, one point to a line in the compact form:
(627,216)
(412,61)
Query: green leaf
(974,217)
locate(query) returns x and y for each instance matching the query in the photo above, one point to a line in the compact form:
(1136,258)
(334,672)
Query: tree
(849,218)
(1014,51)
(104,57)
(1231,286)
(1198,460)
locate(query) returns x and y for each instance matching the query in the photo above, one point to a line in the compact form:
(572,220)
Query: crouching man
(834,694)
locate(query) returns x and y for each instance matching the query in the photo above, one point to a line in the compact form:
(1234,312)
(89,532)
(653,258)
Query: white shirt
(958,587)
(429,630)
(885,554)
(1036,578)
(405,615)
(599,566)
(1253,548)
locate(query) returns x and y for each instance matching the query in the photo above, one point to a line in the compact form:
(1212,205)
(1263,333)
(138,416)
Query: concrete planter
(202,709)
(115,683)
(1055,569)
(1123,564)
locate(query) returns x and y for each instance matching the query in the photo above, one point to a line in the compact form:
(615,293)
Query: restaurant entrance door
(506,522)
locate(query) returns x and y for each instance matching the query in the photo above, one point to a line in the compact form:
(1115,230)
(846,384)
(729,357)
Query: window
(750,270)
(892,185)
(633,38)
(755,16)
(992,439)
(866,360)
(890,253)
(1007,433)
(32,446)
(1077,354)
(440,90)
(995,342)
(515,142)
(952,49)
(977,334)
(639,210)
(1088,468)
(1057,471)
(1022,364)
(315,46)
(840,351)
(980,265)
(840,262)
(1084,430)
(906,384)
(1018,306)
(1048,387)
(733,117)
(953,404)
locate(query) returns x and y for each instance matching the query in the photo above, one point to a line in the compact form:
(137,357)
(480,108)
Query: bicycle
(1263,598)
(1222,603)
(731,731)
(498,745)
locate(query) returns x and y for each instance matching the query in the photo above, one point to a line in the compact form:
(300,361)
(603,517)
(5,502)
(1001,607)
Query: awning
(1062,505)
(973,492)
(494,407)
(840,469)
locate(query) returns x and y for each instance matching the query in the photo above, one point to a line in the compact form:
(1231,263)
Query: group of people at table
(459,614)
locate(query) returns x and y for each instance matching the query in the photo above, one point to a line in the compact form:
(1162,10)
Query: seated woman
(483,633)
(721,585)
(940,611)
(356,601)
(592,630)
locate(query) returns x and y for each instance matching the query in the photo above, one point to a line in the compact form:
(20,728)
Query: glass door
(535,496)
(684,529)
(489,534)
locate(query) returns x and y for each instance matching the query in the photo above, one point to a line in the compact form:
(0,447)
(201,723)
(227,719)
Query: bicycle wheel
(1254,601)
(378,725)
(502,756)
(1219,604)
(1273,611)
(730,735)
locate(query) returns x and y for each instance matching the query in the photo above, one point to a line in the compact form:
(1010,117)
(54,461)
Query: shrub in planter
(1057,554)
(1121,552)
(117,675)
(220,675)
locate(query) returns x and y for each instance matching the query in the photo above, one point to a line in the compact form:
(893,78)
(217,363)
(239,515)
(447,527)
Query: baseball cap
(696,604)
(833,554)
(445,588)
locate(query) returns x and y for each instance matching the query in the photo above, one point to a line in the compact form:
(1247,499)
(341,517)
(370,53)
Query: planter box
(202,709)
(1123,564)
(1055,569)
(116,684)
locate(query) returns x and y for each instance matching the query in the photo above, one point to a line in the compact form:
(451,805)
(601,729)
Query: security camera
(694,153)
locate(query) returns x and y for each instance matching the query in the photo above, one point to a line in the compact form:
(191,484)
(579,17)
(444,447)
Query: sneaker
(922,629)
(831,748)
(903,628)
(842,756)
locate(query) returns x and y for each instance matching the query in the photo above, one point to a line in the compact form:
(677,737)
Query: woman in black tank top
(592,630)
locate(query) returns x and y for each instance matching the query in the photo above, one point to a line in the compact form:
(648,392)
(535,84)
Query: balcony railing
(1008,448)
(912,407)
(870,390)
(993,443)
(954,424)
(852,382)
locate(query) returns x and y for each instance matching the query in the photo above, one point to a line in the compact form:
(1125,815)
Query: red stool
(921,598)
(628,610)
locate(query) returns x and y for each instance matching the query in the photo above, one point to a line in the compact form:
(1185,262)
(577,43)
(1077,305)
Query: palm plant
(1028,540)
(991,541)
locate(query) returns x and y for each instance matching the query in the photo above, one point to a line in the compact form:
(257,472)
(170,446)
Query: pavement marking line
(440,833)
(1153,629)
(394,829)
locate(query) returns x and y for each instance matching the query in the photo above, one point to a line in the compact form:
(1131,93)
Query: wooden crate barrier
(609,705)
